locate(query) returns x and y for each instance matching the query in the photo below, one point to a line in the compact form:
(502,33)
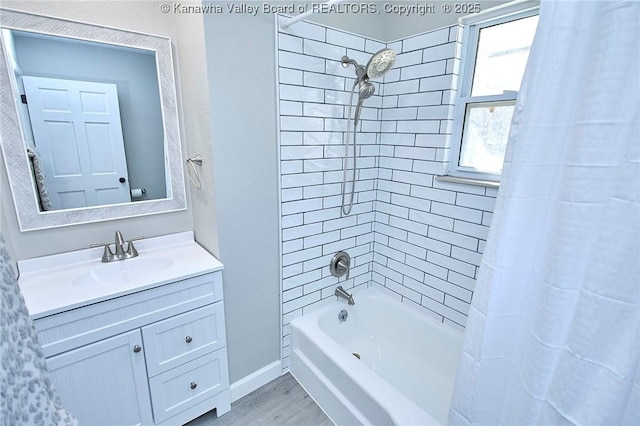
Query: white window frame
(471,26)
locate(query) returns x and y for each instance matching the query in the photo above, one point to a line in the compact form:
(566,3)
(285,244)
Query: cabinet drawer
(81,326)
(190,384)
(183,338)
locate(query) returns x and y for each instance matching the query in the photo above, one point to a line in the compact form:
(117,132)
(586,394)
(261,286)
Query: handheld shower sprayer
(378,65)
(365,91)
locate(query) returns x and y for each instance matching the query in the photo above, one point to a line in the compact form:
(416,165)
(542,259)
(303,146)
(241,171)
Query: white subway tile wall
(314,93)
(409,234)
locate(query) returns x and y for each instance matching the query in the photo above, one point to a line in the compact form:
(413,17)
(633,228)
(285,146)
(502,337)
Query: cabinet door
(105,383)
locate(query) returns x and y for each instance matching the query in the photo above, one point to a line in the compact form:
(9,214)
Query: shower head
(380,63)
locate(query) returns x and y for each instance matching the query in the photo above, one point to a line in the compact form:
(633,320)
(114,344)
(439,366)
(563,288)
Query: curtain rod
(305,15)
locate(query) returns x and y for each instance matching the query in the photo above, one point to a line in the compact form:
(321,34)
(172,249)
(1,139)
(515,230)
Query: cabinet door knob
(188,339)
(194,385)
(137,348)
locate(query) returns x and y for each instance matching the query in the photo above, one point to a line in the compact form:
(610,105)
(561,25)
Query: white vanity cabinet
(156,356)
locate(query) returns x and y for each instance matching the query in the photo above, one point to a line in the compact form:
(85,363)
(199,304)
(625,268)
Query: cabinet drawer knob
(188,339)
(137,348)
(194,385)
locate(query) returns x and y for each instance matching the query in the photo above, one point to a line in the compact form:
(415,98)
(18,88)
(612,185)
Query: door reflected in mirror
(91,118)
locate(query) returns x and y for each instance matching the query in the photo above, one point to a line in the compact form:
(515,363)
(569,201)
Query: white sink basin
(65,281)
(123,271)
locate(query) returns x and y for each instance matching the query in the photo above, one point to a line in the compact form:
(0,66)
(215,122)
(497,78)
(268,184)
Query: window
(495,52)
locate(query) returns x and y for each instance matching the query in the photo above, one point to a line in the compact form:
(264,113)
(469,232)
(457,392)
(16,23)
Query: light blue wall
(134,73)
(241,65)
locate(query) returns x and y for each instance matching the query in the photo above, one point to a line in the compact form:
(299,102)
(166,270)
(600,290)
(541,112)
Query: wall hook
(194,176)
(197,160)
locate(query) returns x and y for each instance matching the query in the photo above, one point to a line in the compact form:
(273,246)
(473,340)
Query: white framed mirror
(89,127)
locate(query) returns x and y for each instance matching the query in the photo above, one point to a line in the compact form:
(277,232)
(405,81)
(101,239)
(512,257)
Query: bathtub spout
(340,292)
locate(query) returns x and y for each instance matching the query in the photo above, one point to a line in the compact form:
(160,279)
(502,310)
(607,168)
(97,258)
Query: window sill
(468,181)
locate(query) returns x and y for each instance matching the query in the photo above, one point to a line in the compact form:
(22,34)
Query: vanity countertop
(58,283)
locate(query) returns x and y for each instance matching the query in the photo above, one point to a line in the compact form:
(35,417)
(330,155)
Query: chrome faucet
(340,292)
(120,254)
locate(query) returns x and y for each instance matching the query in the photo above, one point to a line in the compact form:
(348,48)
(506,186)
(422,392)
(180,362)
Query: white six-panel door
(78,135)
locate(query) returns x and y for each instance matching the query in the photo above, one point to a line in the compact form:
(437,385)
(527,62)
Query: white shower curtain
(553,335)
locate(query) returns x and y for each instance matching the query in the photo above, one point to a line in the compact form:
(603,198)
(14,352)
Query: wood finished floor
(280,402)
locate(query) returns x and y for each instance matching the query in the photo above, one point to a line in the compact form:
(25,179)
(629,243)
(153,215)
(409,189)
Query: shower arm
(361,73)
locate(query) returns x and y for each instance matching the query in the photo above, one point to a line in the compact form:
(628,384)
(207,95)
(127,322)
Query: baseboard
(253,381)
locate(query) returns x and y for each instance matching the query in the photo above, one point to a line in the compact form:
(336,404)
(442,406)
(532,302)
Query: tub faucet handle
(343,265)
(340,264)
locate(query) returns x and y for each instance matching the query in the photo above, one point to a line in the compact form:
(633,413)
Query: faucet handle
(131,250)
(107,255)
(344,265)
(340,264)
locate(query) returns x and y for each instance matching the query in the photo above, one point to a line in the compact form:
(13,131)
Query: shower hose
(347,209)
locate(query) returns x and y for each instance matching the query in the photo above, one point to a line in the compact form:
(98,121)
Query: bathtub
(405,371)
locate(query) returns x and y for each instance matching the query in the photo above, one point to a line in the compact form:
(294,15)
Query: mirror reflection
(91,117)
